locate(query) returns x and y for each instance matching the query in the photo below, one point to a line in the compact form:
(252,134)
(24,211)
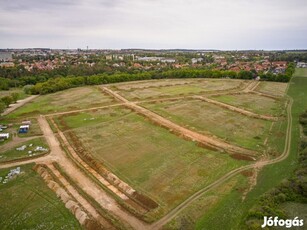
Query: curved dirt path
(236,109)
(164,220)
(184,132)
(18,104)
(90,187)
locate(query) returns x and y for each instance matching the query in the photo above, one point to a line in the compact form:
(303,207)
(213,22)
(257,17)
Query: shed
(26,122)
(24,128)
(4,136)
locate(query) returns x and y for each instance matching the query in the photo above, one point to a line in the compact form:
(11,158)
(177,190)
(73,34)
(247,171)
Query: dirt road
(107,202)
(83,181)
(168,217)
(209,141)
(18,104)
(236,109)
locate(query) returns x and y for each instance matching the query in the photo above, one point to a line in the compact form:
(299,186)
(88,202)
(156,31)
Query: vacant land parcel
(213,120)
(173,88)
(148,157)
(255,103)
(148,137)
(72,99)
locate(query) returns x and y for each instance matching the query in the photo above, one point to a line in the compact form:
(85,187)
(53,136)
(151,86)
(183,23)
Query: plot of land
(254,103)
(195,86)
(30,149)
(151,159)
(16,123)
(72,99)
(27,203)
(151,84)
(148,157)
(273,88)
(211,119)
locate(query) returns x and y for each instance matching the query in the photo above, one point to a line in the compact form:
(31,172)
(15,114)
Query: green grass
(274,88)
(27,203)
(234,212)
(210,207)
(13,154)
(68,100)
(150,158)
(211,119)
(254,103)
(196,86)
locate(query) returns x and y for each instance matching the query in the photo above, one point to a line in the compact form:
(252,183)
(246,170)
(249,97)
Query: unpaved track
(203,139)
(251,87)
(195,196)
(87,167)
(83,181)
(18,104)
(107,202)
(81,200)
(266,95)
(236,109)
(83,110)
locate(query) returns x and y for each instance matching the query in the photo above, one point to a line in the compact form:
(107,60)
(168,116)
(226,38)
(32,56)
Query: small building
(4,136)
(24,128)
(26,122)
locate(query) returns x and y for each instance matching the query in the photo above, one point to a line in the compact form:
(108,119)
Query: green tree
(2,107)
(7,100)
(15,97)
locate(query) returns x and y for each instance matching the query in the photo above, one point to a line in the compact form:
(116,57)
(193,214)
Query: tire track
(208,141)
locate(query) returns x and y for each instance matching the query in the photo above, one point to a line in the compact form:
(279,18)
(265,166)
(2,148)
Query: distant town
(49,59)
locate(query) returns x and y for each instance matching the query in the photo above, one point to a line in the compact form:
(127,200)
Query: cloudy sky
(197,24)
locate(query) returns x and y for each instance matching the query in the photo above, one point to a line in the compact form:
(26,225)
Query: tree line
(60,83)
(7,100)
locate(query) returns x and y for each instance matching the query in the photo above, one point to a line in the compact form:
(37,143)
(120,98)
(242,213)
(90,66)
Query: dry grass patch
(149,158)
(210,119)
(273,88)
(254,103)
(191,87)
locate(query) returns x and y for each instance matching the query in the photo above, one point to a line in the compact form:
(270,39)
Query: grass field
(27,203)
(72,99)
(255,103)
(148,157)
(210,119)
(14,154)
(209,208)
(273,88)
(154,161)
(234,210)
(194,86)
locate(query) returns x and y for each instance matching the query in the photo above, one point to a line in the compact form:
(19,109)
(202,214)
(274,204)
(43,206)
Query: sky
(154,24)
